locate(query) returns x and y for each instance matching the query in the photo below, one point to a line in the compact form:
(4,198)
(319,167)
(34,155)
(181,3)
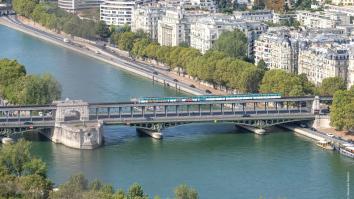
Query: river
(218,160)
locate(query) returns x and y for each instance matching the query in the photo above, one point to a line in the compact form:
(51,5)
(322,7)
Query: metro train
(204,98)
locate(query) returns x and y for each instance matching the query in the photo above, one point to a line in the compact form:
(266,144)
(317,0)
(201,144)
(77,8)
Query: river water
(218,160)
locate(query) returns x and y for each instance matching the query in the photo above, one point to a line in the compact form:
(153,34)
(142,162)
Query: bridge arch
(71,110)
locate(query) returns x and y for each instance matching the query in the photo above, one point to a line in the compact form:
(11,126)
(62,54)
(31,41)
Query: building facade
(323,61)
(146,18)
(205,31)
(174,28)
(117,12)
(322,19)
(76,5)
(278,50)
(257,15)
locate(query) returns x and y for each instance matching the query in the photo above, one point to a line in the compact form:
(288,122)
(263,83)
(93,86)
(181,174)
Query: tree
(185,192)
(232,43)
(103,30)
(330,85)
(10,71)
(33,89)
(279,81)
(24,7)
(21,174)
(342,109)
(136,192)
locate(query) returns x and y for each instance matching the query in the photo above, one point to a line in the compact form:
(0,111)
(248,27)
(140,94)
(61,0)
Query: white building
(117,12)
(174,27)
(323,61)
(278,50)
(257,15)
(146,18)
(76,5)
(350,78)
(322,19)
(206,30)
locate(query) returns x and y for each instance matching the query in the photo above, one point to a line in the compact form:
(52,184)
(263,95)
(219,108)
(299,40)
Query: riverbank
(82,46)
(91,51)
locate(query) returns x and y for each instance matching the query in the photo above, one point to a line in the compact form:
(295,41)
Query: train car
(206,98)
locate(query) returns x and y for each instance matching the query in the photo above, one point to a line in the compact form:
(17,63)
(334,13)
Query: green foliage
(57,19)
(33,89)
(24,7)
(342,109)
(21,174)
(278,81)
(136,192)
(10,72)
(185,192)
(330,85)
(233,44)
(103,30)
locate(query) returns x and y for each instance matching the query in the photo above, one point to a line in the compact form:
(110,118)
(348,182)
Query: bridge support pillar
(150,132)
(255,130)
(80,135)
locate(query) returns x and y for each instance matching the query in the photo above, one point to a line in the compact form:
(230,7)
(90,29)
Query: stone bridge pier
(73,128)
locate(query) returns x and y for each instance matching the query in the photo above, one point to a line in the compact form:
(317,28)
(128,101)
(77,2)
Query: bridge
(154,117)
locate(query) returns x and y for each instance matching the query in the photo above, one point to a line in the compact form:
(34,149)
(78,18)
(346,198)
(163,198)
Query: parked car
(208,91)
(192,86)
(246,115)
(175,80)
(155,73)
(28,123)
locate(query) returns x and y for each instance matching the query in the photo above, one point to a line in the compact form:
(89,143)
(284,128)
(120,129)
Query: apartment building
(146,18)
(205,31)
(323,61)
(322,19)
(278,50)
(175,26)
(256,15)
(76,5)
(117,12)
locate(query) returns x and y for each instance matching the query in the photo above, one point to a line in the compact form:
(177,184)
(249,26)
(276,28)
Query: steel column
(210,108)
(109,112)
(120,112)
(200,110)
(222,109)
(166,110)
(131,111)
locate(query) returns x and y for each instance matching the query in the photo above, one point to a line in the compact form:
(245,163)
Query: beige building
(278,50)
(322,61)
(206,30)
(146,18)
(174,27)
(350,78)
(322,19)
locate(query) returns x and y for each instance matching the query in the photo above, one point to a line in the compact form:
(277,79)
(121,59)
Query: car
(330,135)
(175,80)
(28,123)
(155,73)
(112,51)
(246,115)
(192,86)
(208,91)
